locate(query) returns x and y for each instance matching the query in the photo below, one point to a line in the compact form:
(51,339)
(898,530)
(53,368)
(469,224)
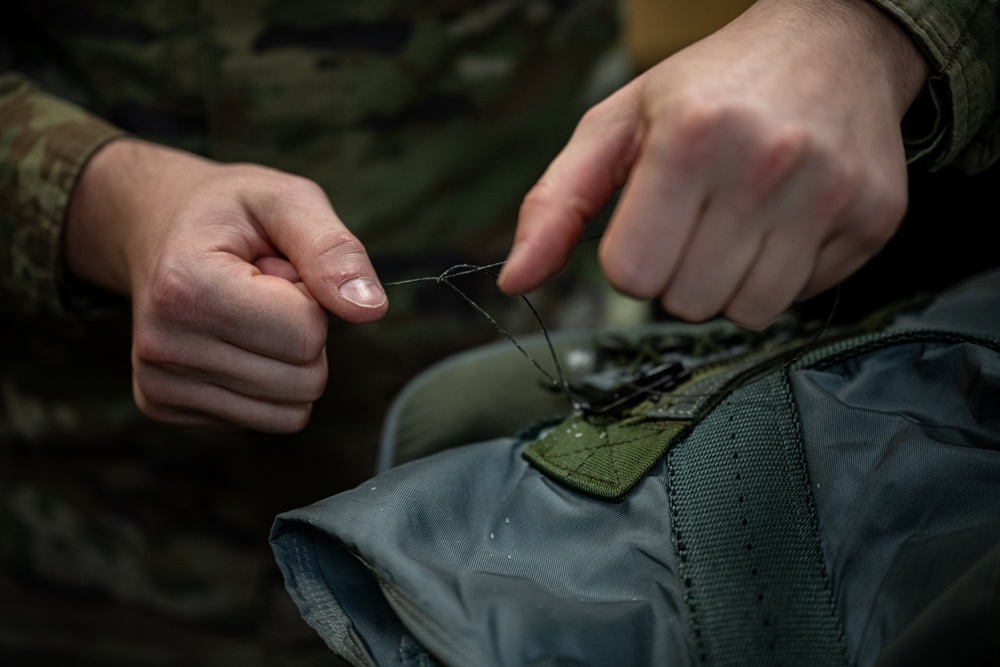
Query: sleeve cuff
(956,119)
(44,145)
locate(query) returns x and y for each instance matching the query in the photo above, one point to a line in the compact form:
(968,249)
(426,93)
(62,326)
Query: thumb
(329,259)
(574,189)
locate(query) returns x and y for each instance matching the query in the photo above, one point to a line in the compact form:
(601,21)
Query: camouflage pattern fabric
(45,142)
(124,542)
(957,119)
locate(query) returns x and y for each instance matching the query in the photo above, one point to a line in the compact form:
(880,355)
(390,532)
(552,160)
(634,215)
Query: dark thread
(466,269)
(562,382)
(820,332)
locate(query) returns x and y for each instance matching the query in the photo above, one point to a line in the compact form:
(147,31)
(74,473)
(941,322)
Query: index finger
(574,189)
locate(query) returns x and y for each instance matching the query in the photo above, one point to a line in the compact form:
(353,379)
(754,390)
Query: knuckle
(774,159)
(876,212)
(625,276)
(699,119)
(148,347)
(885,215)
(831,201)
(595,119)
(340,249)
(301,187)
(696,128)
(754,317)
(686,309)
(839,189)
(156,351)
(892,209)
(691,143)
(315,383)
(142,402)
(152,395)
(542,199)
(303,384)
(291,419)
(538,198)
(286,186)
(305,343)
(340,242)
(283,194)
(874,234)
(591,119)
(173,295)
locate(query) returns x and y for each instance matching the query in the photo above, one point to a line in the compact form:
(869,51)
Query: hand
(231,270)
(761,165)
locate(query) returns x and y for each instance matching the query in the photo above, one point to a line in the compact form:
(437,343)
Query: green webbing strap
(755,581)
(744,526)
(742,519)
(606,457)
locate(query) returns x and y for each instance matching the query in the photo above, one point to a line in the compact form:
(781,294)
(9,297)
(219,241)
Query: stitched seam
(617,480)
(418,616)
(803,472)
(301,556)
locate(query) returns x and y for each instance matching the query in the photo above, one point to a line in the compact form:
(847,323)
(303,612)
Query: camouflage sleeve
(44,144)
(957,118)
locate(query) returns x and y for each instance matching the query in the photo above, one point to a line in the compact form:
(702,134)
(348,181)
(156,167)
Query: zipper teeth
(787,352)
(789,349)
(845,344)
(743,356)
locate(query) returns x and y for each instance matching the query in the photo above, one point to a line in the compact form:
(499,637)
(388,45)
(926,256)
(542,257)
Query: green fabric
(127,542)
(605,460)
(744,468)
(606,457)
(746,536)
(956,120)
(840,508)
(432,412)
(423,123)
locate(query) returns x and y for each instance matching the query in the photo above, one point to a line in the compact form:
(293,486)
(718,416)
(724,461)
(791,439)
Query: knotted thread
(466,269)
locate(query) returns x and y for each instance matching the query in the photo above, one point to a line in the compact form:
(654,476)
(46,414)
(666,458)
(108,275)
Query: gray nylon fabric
(476,548)
(891,497)
(907,492)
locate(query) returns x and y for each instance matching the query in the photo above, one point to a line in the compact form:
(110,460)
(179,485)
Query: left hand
(232,270)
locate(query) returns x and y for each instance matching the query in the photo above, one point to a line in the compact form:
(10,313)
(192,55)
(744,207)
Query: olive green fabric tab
(607,456)
(605,459)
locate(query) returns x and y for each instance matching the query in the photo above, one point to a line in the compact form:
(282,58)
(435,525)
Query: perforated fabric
(747,539)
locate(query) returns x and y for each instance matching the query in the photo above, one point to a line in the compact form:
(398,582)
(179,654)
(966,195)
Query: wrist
(122,188)
(906,66)
(868,47)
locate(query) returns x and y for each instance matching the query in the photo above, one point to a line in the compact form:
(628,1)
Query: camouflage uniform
(127,542)
(957,118)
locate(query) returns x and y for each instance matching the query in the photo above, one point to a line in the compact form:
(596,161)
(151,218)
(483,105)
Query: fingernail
(363,292)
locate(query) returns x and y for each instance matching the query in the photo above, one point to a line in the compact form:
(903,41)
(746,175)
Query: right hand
(759,166)
(231,270)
